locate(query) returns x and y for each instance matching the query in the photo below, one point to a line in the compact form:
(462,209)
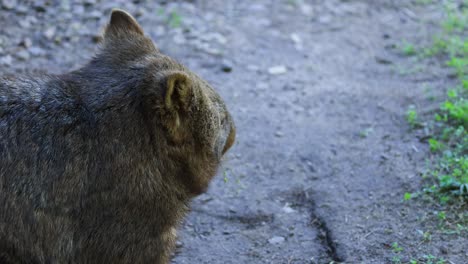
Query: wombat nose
(230,140)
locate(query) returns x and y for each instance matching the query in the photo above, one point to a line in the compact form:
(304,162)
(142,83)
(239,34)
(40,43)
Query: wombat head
(194,122)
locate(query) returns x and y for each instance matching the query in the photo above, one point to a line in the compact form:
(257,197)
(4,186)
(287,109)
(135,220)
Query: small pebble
(6,60)
(279,134)
(276,70)
(36,51)
(27,42)
(22,9)
(49,33)
(9,4)
(65,5)
(297,41)
(179,39)
(23,55)
(226,66)
(288,209)
(25,23)
(179,244)
(276,240)
(295,37)
(213,51)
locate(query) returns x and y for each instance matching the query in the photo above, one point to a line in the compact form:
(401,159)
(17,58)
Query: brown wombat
(98,165)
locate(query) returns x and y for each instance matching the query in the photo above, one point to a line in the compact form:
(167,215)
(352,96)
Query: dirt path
(318,92)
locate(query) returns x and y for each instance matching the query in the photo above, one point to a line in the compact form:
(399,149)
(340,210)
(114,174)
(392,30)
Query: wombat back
(98,165)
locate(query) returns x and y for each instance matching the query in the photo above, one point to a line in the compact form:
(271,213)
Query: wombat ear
(178,91)
(122,23)
(176,101)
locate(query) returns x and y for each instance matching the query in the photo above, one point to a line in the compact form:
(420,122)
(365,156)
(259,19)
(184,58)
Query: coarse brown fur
(99,165)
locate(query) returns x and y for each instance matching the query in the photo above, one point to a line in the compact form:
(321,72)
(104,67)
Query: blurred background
(334,103)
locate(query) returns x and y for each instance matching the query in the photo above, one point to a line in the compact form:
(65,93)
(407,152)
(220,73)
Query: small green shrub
(449,144)
(412,117)
(408,49)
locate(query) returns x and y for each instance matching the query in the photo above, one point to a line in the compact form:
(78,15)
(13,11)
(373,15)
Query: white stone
(276,240)
(286,208)
(279,69)
(296,38)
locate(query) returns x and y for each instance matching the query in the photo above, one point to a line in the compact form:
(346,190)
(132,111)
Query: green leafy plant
(441,215)
(449,141)
(225,176)
(396,248)
(407,196)
(408,49)
(435,145)
(412,117)
(175,19)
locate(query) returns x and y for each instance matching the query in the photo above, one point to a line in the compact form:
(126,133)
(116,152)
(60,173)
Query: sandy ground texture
(318,91)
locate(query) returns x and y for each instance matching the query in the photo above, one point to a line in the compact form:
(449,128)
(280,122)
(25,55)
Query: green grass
(397,250)
(448,173)
(173,19)
(412,117)
(408,49)
(457,19)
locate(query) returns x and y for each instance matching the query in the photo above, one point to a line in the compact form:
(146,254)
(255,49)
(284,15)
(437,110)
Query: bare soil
(319,92)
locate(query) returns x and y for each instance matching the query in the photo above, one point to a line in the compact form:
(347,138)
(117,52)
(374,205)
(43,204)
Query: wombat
(99,165)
